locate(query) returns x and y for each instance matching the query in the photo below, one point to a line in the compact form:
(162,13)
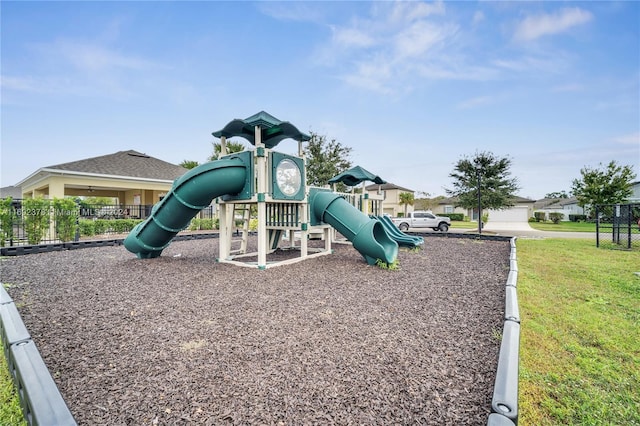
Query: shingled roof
(123,163)
(386,186)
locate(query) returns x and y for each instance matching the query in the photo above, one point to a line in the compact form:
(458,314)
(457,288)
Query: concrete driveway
(513,229)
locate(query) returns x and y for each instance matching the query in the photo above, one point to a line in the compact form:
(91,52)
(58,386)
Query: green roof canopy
(273,130)
(356,175)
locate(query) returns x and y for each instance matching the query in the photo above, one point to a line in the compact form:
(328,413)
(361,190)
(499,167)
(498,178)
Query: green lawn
(461,224)
(540,226)
(10,412)
(580,350)
(564,226)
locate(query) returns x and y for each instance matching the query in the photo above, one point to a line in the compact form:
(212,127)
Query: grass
(580,351)
(564,226)
(464,224)
(540,226)
(10,411)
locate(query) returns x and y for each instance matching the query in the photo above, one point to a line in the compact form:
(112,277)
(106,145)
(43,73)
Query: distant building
(520,212)
(132,177)
(635,196)
(391,193)
(565,206)
(11,191)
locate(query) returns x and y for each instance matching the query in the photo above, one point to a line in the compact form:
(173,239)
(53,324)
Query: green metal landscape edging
(504,403)
(41,401)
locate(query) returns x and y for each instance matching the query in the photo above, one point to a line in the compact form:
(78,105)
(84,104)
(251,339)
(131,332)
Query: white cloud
(82,68)
(23,84)
(352,37)
(395,44)
(404,12)
(292,10)
(372,75)
(533,27)
(629,139)
(94,57)
(571,87)
(478,101)
(478,17)
(420,37)
(552,62)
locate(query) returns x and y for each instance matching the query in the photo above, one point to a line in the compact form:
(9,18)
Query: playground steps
(243,210)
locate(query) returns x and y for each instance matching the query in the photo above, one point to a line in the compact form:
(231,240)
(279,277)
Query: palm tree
(406,199)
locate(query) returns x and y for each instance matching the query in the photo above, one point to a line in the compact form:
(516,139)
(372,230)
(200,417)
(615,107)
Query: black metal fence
(21,224)
(618,226)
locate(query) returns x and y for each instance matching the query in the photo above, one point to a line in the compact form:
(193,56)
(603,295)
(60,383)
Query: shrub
(540,216)
(121,226)
(201,224)
(453,216)
(101,226)
(577,217)
(556,217)
(87,227)
(35,212)
(533,219)
(7,217)
(65,214)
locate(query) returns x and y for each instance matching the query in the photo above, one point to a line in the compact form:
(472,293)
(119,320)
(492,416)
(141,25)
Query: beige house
(391,194)
(130,176)
(520,212)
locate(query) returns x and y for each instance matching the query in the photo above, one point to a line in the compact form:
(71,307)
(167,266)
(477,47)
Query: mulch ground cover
(182,339)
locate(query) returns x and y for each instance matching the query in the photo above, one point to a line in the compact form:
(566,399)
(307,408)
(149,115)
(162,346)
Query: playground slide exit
(367,235)
(190,193)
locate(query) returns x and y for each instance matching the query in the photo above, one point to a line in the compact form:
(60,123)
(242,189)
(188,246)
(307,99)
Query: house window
(448,209)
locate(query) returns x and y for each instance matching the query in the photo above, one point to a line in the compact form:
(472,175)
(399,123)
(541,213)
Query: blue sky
(411,87)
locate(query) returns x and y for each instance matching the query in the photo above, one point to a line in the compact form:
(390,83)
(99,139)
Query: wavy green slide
(190,193)
(397,235)
(367,235)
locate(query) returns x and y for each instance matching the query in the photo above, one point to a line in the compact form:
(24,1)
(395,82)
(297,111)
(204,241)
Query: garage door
(514,214)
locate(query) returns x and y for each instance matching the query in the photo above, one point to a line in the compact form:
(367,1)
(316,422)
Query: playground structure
(273,184)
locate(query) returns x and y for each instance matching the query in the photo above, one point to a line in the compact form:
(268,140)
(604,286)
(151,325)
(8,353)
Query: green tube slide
(367,235)
(397,235)
(190,193)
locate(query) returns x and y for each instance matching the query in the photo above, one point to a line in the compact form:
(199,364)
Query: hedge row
(453,216)
(89,227)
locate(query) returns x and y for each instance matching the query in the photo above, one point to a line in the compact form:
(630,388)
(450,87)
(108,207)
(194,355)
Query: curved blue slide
(367,235)
(190,193)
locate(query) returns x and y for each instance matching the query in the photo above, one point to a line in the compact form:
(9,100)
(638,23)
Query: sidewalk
(523,230)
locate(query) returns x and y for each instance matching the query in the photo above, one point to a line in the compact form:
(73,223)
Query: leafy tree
(36,218)
(610,185)
(97,201)
(558,194)
(65,214)
(325,159)
(428,203)
(7,219)
(497,188)
(189,164)
(232,147)
(406,199)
